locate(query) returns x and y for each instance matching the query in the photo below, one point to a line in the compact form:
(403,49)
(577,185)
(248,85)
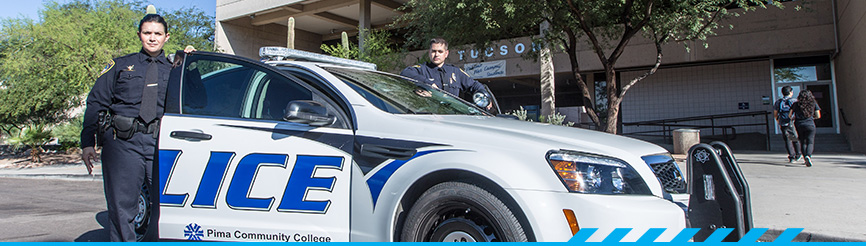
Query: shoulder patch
(108,66)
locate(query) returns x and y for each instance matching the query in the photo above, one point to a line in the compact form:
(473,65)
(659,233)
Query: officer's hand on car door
(88,154)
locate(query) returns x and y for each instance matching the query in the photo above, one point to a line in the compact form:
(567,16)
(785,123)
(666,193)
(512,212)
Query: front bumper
(605,212)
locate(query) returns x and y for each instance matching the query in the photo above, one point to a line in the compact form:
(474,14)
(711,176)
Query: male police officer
(447,77)
(125,105)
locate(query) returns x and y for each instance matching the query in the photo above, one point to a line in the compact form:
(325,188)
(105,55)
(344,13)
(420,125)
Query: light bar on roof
(279,53)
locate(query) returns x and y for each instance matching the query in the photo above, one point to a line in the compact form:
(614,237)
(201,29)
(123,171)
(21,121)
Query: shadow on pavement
(98,235)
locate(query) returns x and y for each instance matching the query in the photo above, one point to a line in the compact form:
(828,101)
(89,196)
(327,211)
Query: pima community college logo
(193,232)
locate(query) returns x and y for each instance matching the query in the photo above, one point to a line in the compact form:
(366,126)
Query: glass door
(813,74)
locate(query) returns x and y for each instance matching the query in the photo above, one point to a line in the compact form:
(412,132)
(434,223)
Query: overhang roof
(324,17)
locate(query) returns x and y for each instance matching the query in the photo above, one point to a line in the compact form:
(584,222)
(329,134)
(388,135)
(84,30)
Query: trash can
(685,139)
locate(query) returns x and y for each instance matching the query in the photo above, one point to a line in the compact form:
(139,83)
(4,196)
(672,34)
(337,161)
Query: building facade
(818,48)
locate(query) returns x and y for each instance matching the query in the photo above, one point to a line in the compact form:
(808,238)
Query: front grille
(667,172)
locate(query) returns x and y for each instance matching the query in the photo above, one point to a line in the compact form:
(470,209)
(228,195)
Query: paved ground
(827,200)
(52,210)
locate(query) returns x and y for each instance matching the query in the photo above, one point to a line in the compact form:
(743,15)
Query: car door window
(215,86)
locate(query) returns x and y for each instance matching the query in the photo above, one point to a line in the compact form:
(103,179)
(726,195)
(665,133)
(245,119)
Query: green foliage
(521,114)
(48,65)
(68,134)
(34,136)
(556,119)
(380,50)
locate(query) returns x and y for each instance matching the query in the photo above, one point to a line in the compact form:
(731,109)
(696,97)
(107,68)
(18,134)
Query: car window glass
(398,95)
(273,94)
(215,86)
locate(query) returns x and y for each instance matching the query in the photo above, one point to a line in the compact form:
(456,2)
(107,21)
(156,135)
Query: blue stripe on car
(378,179)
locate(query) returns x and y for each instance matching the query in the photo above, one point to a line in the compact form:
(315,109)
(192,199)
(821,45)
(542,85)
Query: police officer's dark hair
(153,18)
(438,40)
(786,91)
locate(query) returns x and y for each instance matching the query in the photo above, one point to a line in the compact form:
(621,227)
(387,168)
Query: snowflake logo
(193,232)
(702,156)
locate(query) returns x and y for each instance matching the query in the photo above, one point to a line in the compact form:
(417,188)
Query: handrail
(669,124)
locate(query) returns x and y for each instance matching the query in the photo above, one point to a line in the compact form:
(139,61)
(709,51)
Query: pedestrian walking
(805,111)
(782,114)
(122,115)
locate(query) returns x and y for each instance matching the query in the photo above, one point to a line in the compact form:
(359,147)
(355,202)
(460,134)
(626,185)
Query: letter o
(519,48)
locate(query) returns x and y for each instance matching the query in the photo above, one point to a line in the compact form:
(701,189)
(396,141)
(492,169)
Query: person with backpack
(805,112)
(782,113)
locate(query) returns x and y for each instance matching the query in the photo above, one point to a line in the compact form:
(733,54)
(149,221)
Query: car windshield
(403,96)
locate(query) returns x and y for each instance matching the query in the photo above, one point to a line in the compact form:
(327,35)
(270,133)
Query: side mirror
(308,112)
(481,99)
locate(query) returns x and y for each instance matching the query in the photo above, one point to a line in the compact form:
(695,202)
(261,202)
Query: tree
(379,50)
(606,26)
(47,66)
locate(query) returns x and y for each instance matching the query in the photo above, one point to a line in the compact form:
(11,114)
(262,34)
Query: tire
(461,212)
(142,218)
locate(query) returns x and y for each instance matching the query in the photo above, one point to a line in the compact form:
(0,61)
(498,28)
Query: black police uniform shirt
(119,89)
(448,78)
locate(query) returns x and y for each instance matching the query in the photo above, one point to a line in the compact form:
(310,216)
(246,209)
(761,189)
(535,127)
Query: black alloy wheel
(461,212)
(142,218)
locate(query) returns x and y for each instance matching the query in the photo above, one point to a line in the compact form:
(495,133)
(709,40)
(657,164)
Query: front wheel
(142,218)
(461,212)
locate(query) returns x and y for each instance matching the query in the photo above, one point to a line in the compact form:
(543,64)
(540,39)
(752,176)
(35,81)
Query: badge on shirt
(130,68)
(107,67)
(453,78)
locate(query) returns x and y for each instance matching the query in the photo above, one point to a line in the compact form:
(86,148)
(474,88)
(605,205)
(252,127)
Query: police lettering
(301,180)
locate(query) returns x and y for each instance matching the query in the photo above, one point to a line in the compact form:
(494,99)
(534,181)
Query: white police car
(317,152)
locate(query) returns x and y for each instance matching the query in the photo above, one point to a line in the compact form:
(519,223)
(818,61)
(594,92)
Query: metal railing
(728,131)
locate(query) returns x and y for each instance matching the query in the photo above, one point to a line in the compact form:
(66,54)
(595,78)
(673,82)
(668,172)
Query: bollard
(684,139)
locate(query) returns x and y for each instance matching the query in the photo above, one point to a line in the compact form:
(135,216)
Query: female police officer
(129,97)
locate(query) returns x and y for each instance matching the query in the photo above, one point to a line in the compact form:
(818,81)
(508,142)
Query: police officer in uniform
(443,76)
(123,109)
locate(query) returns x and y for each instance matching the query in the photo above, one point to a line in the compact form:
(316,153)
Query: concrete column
(548,99)
(363,23)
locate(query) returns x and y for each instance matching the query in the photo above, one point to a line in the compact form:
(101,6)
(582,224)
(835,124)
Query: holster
(124,127)
(103,123)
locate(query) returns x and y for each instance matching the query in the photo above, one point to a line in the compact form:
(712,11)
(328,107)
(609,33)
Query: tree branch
(648,73)
(707,24)
(596,45)
(629,32)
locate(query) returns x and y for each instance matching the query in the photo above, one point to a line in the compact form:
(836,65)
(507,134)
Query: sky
(30,8)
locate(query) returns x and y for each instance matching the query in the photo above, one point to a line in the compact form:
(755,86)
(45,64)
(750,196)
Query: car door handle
(387,152)
(191,136)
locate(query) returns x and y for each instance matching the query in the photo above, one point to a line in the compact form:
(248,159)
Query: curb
(80,177)
(804,236)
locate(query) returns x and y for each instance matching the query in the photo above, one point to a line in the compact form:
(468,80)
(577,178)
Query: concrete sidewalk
(64,171)
(827,200)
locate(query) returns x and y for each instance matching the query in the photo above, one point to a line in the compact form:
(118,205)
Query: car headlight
(595,174)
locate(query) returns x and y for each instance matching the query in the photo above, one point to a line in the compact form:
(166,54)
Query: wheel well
(432,179)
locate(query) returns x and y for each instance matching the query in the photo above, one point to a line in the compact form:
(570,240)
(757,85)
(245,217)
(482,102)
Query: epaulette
(108,67)
(416,66)
(464,72)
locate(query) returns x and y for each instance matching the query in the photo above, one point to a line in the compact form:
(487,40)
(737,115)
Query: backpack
(784,111)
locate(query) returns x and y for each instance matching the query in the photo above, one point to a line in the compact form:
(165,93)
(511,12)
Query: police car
(322,149)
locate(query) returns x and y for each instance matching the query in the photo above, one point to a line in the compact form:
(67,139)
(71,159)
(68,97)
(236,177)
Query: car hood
(536,134)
